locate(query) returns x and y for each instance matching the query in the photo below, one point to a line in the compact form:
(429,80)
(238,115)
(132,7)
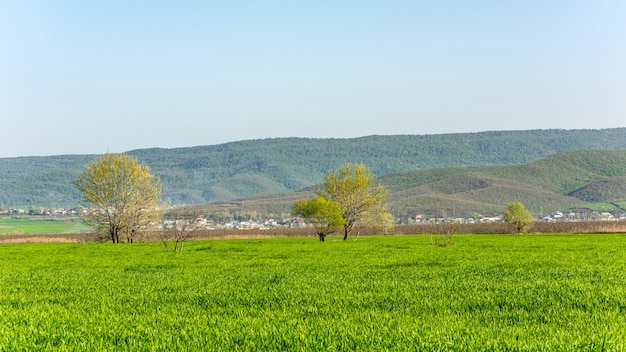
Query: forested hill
(242,169)
(578,180)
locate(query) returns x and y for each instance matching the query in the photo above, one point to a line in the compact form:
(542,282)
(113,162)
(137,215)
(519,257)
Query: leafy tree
(324,214)
(122,195)
(354,188)
(518,217)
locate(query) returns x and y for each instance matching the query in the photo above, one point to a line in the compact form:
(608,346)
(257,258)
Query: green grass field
(396,293)
(11,225)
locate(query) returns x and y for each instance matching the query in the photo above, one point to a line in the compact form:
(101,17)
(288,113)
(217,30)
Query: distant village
(557,216)
(269,222)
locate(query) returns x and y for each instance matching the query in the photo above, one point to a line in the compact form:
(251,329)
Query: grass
(13,225)
(485,292)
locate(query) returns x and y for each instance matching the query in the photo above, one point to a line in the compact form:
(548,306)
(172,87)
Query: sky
(91,77)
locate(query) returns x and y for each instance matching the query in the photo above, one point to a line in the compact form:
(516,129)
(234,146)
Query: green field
(25,225)
(396,293)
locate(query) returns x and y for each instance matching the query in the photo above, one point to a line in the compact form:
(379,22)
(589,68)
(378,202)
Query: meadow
(29,225)
(377,293)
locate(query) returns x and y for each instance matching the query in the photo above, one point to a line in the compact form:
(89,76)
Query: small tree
(184,223)
(378,219)
(444,236)
(354,188)
(325,215)
(122,195)
(518,217)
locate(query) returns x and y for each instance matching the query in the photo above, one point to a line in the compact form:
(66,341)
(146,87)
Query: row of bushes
(503,228)
(487,228)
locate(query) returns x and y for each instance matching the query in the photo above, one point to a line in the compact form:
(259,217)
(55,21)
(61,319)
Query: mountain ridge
(235,170)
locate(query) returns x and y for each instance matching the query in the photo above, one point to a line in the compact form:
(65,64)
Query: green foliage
(325,215)
(472,191)
(355,189)
(501,293)
(518,217)
(122,195)
(549,184)
(202,174)
(566,172)
(599,206)
(606,189)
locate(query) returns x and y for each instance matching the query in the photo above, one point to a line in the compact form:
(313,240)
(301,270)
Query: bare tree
(444,235)
(183,223)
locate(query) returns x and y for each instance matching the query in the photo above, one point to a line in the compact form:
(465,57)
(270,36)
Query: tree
(325,215)
(184,223)
(354,188)
(518,217)
(443,234)
(380,219)
(122,195)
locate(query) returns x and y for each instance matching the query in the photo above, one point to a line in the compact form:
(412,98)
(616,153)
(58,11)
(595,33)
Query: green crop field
(395,293)
(10,225)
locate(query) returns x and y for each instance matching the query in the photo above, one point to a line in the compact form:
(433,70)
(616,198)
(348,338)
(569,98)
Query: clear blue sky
(81,77)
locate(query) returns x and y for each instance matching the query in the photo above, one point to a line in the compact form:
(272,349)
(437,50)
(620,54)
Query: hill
(554,183)
(244,169)
(559,182)
(612,189)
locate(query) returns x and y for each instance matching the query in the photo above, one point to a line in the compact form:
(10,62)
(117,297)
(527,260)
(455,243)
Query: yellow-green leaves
(354,188)
(324,214)
(518,217)
(122,195)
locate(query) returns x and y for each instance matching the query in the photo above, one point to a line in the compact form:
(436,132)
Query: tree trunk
(347,229)
(115,234)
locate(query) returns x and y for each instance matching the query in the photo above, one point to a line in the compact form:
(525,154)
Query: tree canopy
(355,189)
(122,195)
(518,217)
(324,214)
